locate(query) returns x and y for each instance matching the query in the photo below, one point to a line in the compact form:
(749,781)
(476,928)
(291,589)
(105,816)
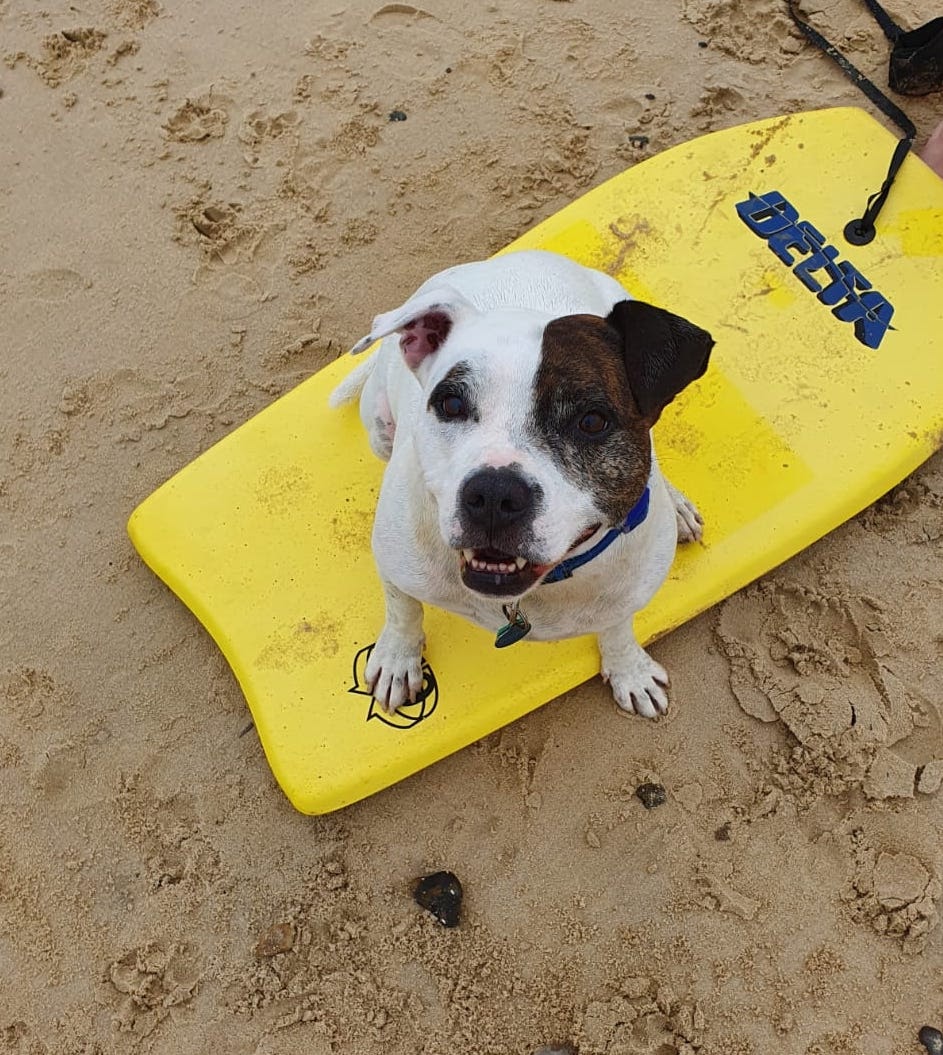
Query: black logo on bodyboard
(410,714)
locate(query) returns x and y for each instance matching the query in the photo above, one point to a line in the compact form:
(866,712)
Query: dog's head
(534,430)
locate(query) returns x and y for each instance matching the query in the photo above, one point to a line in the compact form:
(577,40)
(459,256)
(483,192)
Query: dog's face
(534,431)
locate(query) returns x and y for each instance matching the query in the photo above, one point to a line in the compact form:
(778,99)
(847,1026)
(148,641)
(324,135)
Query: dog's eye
(593,424)
(452,408)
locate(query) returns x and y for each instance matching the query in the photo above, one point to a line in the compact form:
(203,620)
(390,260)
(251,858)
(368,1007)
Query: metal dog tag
(518,626)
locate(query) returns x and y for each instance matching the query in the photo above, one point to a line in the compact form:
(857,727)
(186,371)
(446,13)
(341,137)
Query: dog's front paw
(638,683)
(689,520)
(394,669)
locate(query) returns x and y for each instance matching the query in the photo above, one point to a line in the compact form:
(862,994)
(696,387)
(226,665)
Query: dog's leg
(394,670)
(638,683)
(377,417)
(690,521)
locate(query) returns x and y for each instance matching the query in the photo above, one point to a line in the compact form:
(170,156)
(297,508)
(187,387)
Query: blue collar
(637,515)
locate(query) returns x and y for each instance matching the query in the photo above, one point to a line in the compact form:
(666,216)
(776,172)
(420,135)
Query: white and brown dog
(513,399)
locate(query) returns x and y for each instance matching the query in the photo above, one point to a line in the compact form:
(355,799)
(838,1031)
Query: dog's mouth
(491,571)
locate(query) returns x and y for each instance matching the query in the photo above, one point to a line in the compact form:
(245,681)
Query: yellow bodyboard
(825,389)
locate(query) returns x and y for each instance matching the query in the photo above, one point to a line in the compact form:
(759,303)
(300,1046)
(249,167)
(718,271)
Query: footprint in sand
(169,837)
(53,284)
(400,12)
(239,254)
(259,125)
(65,54)
(819,663)
(196,120)
(149,981)
(269,138)
(28,693)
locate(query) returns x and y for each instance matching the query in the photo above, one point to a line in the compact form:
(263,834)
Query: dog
(513,399)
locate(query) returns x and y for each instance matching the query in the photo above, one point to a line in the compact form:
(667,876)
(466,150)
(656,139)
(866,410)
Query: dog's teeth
(495,568)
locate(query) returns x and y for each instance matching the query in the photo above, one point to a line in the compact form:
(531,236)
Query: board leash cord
(861,230)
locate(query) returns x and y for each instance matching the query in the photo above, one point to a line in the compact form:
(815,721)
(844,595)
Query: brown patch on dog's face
(586,417)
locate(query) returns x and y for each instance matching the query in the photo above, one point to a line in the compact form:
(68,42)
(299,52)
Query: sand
(201,204)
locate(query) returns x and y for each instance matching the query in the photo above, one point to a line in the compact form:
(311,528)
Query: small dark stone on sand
(702,43)
(932,1039)
(651,795)
(639,141)
(397,115)
(650,96)
(722,834)
(280,938)
(441,894)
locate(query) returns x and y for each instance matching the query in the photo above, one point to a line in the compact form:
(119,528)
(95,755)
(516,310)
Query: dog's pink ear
(422,336)
(424,323)
(663,353)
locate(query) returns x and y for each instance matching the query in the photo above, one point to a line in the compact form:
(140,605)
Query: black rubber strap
(870,89)
(861,231)
(891,29)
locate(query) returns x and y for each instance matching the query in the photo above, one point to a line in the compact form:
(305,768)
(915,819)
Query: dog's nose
(496,498)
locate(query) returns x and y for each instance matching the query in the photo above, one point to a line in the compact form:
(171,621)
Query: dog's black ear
(663,353)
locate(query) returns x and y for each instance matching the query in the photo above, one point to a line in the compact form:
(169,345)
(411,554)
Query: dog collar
(637,515)
(518,625)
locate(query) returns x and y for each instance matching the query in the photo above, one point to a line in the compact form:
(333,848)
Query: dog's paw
(689,520)
(638,683)
(394,670)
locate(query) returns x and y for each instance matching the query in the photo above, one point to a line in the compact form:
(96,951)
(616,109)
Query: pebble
(441,894)
(651,795)
(279,938)
(932,1039)
(397,115)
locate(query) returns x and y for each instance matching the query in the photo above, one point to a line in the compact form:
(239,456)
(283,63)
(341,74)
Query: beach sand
(202,204)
